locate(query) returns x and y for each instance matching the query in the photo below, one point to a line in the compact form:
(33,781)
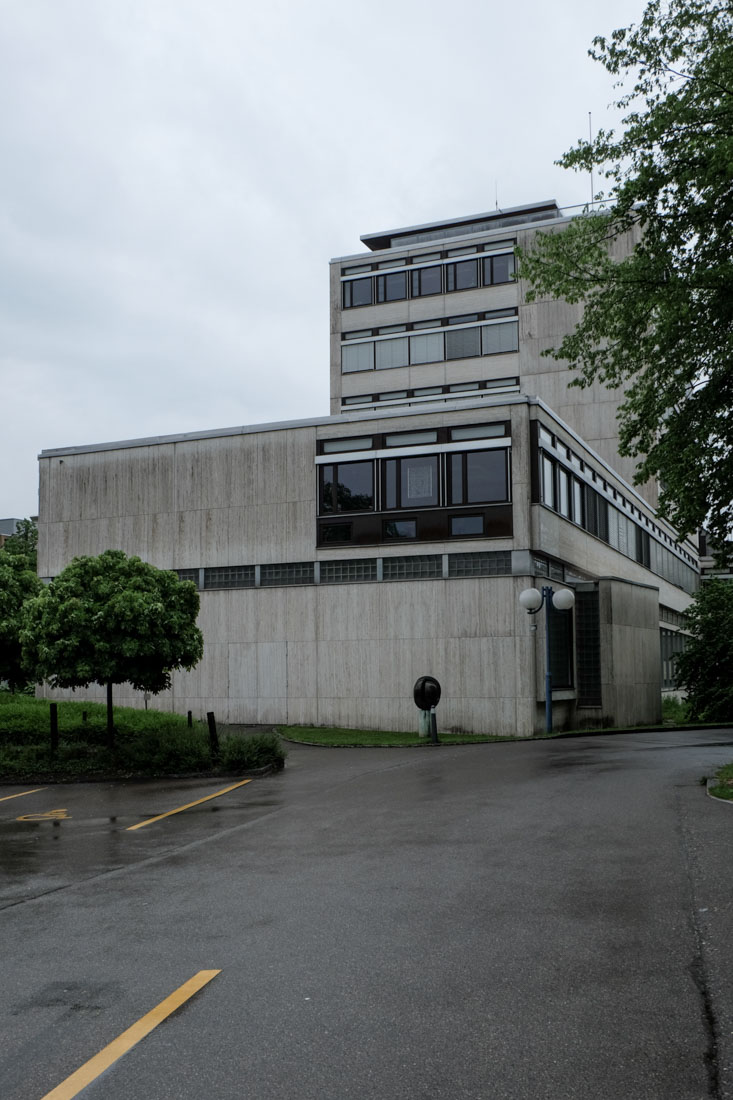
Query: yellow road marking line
(52,815)
(5,797)
(188,806)
(87,1073)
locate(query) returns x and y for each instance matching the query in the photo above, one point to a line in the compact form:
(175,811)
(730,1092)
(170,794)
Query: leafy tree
(705,669)
(659,321)
(24,542)
(109,620)
(18,583)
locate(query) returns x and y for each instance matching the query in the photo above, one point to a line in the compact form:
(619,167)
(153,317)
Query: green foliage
(18,583)
(148,742)
(112,619)
(705,669)
(675,710)
(724,785)
(659,322)
(337,737)
(24,542)
(246,753)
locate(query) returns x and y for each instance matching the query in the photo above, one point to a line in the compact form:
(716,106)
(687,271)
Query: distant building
(8,527)
(340,558)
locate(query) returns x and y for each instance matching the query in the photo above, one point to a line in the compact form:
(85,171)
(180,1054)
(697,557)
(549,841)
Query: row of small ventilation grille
(353,570)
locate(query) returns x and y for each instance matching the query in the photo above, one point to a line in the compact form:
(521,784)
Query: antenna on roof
(496,193)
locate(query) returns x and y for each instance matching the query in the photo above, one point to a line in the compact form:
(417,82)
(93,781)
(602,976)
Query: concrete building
(340,558)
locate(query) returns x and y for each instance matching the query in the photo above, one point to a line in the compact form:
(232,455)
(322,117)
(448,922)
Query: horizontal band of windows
(428,525)
(484,563)
(499,338)
(426,394)
(417,449)
(490,247)
(423,480)
(578,502)
(384,440)
(437,324)
(445,277)
(551,442)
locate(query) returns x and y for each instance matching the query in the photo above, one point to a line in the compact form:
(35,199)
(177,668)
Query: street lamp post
(532,600)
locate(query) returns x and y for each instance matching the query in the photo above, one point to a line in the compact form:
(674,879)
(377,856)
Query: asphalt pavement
(510,921)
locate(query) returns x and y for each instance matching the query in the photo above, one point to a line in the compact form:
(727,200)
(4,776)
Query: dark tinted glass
(390,288)
(354,486)
(358,292)
(485,476)
(502,268)
(426,280)
(400,529)
(467,525)
(462,276)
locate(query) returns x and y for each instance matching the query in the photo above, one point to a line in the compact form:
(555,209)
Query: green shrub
(241,753)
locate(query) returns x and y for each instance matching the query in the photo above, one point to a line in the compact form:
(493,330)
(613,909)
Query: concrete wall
(349,655)
(630,662)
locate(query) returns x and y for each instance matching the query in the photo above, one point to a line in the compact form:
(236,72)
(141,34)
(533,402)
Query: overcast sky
(176,174)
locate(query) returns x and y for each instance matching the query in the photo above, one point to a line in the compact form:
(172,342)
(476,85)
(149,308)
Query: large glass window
(410,482)
(462,342)
(392,353)
(347,487)
(426,280)
(427,348)
(393,287)
(461,276)
(498,269)
(357,357)
(500,338)
(478,477)
(357,292)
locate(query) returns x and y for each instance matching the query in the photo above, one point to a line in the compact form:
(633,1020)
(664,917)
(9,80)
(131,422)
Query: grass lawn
(343,738)
(147,743)
(724,788)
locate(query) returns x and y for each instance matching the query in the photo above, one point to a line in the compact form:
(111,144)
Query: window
(462,343)
(561,647)
(427,348)
(462,526)
(357,292)
(461,276)
(426,280)
(393,287)
(392,353)
(498,269)
(400,529)
(563,492)
(478,477)
(548,481)
(347,487)
(498,339)
(335,532)
(357,357)
(410,482)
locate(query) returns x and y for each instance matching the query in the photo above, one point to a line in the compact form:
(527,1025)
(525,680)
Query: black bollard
(190,719)
(213,735)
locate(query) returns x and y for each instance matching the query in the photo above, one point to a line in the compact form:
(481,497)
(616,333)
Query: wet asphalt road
(496,922)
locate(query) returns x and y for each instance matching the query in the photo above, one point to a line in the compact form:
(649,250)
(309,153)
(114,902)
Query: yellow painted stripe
(179,809)
(87,1073)
(5,797)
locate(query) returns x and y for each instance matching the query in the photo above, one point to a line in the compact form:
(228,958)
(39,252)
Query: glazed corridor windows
(449,493)
(443,278)
(456,338)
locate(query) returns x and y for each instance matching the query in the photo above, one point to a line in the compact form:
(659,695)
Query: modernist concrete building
(340,558)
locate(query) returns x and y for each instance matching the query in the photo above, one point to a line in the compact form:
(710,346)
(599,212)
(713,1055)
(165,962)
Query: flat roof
(493,219)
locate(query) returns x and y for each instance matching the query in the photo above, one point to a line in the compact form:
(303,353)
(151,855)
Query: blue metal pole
(547,599)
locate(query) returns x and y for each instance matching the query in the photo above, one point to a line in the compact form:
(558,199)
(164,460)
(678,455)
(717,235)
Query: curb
(712,783)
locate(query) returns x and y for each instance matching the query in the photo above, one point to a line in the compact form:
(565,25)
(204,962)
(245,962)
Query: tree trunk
(110,721)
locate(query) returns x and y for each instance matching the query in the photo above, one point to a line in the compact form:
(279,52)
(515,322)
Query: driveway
(496,922)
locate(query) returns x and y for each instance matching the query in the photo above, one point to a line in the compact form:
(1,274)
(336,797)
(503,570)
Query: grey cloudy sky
(177,174)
